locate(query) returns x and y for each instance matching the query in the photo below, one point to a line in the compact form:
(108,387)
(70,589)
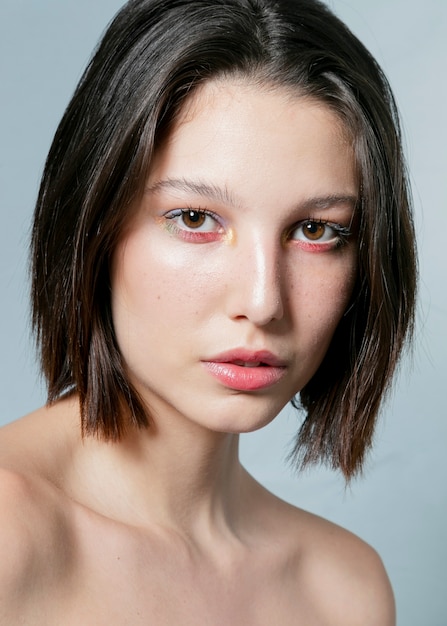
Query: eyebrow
(206,190)
(224,196)
(327,202)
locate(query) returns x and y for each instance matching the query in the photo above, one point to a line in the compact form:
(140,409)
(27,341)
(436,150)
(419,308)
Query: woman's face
(238,262)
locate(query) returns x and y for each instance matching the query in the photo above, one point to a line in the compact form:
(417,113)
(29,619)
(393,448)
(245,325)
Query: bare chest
(117,582)
(172,593)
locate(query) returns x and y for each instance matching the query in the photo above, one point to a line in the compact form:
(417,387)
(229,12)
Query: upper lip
(245,355)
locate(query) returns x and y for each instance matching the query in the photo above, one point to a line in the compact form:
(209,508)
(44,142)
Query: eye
(194,225)
(320,232)
(313,231)
(197,220)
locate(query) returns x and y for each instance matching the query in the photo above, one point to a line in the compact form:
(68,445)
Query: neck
(186,477)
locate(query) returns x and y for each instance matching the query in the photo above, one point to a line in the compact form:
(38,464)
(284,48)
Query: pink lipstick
(246,370)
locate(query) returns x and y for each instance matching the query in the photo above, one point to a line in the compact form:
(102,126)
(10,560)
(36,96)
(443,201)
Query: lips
(245,370)
(248,364)
(250,358)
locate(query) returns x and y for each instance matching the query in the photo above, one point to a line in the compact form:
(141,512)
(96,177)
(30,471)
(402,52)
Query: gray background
(400,505)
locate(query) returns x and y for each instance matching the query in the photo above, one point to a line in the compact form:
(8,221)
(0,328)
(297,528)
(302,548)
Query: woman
(223,224)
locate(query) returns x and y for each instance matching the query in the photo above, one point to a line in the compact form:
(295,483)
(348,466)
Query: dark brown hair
(154,54)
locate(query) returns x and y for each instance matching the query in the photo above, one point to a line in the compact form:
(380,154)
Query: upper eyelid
(325,222)
(179,211)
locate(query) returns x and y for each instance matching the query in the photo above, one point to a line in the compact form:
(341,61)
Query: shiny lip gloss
(246,370)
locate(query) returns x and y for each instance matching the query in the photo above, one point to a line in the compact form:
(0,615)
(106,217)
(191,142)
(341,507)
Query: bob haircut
(153,56)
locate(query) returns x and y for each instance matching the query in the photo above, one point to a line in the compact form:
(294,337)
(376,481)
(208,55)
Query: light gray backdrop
(400,505)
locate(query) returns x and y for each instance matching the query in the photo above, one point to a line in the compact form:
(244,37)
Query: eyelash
(340,238)
(193,235)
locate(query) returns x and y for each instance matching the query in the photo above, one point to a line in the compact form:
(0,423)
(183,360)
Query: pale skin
(166,527)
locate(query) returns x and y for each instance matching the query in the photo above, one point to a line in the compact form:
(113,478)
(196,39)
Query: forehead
(252,96)
(246,136)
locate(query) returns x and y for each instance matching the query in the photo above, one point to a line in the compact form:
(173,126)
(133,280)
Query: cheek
(324,295)
(150,286)
(335,298)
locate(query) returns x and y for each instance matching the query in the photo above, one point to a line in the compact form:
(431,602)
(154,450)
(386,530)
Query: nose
(256,292)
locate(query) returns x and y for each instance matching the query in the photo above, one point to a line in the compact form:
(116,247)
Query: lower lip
(242,378)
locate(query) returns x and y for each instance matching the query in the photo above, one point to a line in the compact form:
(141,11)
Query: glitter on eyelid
(167,225)
(230,237)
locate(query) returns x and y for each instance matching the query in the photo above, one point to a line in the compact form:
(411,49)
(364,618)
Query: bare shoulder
(33,532)
(343,576)
(331,575)
(35,527)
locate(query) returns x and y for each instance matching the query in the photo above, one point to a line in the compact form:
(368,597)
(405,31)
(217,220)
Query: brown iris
(314,230)
(193,219)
